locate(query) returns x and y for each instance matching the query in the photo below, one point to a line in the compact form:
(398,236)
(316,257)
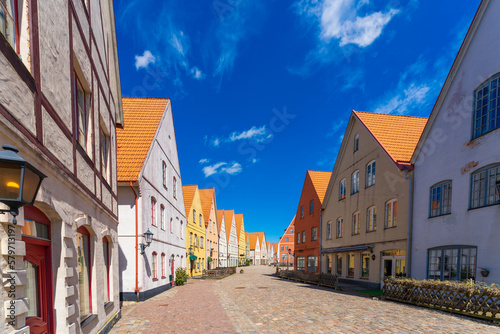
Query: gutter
(136,242)
(410,224)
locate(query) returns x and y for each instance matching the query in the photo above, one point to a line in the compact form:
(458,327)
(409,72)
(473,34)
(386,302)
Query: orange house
(308,221)
(286,245)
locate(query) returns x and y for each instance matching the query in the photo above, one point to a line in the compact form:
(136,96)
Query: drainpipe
(410,224)
(136,242)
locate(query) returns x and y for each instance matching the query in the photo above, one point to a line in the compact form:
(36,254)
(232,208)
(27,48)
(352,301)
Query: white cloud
(144,60)
(215,142)
(204,161)
(253,132)
(222,167)
(340,20)
(197,73)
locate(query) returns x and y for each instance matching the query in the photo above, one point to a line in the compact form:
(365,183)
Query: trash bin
(170,278)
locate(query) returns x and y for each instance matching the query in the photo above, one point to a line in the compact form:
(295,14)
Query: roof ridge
(145,98)
(378,113)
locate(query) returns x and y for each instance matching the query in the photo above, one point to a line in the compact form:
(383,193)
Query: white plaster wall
(447,150)
(223,244)
(233,245)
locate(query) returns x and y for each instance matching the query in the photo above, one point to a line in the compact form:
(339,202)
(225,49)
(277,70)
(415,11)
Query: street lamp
(288,262)
(228,258)
(149,238)
(19,181)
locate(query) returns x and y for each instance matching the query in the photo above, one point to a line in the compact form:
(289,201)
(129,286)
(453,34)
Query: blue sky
(262,90)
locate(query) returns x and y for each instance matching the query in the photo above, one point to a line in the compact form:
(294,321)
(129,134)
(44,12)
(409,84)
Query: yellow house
(242,241)
(195,231)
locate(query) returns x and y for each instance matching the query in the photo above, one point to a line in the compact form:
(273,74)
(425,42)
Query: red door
(37,263)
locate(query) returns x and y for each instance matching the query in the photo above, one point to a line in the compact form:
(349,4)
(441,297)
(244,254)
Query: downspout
(410,223)
(136,242)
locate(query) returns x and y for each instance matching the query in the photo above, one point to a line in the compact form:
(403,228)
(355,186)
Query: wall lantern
(19,181)
(149,238)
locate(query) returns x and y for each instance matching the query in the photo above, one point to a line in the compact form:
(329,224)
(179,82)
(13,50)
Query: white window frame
(339,227)
(486,116)
(342,189)
(371,219)
(391,213)
(355,182)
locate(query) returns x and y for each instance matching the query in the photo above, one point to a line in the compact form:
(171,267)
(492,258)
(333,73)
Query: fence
(326,280)
(475,300)
(219,272)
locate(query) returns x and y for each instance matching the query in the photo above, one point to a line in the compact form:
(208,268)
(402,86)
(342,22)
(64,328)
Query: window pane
(83,273)
(31,289)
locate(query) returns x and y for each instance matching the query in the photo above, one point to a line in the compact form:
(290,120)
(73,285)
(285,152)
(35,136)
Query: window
(163,265)
(312,263)
(172,226)
(355,182)
(311,207)
(370,174)
(155,265)
(182,228)
(175,187)
(291,230)
(356,142)
(328,264)
(440,199)
(164,173)
(342,190)
(153,211)
(486,186)
(191,239)
(340,222)
(9,23)
(487,107)
(365,265)
(301,263)
(328,230)
(286,248)
(196,240)
(301,212)
(104,148)
(194,216)
(455,263)
(350,264)
(82,113)
(199,219)
(162,217)
(314,234)
(106,254)
(371,219)
(298,238)
(303,236)
(282,248)
(84,271)
(338,265)
(391,213)
(355,223)
(201,242)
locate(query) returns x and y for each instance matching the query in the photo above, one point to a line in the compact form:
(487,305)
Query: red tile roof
(253,239)
(320,182)
(228,217)
(398,135)
(239,223)
(188,192)
(142,117)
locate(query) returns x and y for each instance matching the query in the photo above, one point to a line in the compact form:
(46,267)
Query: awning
(209,259)
(193,257)
(346,249)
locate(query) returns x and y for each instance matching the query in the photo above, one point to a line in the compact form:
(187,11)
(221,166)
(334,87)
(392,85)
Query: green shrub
(180,276)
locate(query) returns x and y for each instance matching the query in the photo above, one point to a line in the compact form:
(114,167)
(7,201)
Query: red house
(308,222)
(286,245)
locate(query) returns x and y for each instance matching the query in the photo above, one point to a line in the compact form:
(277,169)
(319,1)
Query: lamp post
(19,181)
(228,258)
(191,261)
(288,262)
(148,235)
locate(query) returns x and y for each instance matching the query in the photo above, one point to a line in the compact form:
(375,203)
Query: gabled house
(59,106)
(242,240)
(307,222)
(286,245)
(456,180)
(209,207)
(365,211)
(232,238)
(274,252)
(254,242)
(261,257)
(149,199)
(268,251)
(247,251)
(223,249)
(195,231)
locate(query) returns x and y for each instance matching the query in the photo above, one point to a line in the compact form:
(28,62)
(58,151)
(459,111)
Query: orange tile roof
(206,197)
(239,222)
(253,240)
(228,217)
(398,135)
(261,237)
(220,214)
(320,182)
(267,244)
(142,117)
(188,192)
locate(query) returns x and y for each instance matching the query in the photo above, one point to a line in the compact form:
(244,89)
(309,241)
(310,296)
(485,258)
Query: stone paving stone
(240,304)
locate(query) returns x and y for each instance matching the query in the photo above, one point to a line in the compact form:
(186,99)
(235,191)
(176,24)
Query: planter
(242,271)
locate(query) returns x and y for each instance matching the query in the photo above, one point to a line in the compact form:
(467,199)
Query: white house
(222,239)
(150,198)
(232,238)
(457,165)
(60,101)
(255,247)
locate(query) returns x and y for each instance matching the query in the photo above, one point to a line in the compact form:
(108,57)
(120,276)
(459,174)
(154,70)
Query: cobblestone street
(258,302)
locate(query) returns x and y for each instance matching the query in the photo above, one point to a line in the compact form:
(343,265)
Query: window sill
(389,227)
(163,277)
(357,192)
(108,305)
(155,279)
(87,320)
(371,231)
(355,234)
(483,206)
(444,214)
(371,185)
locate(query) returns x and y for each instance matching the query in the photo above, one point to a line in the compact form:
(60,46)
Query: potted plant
(180,276)
(241,271)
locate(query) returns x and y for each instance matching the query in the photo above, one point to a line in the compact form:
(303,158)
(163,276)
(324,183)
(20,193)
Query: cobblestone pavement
(258,302)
